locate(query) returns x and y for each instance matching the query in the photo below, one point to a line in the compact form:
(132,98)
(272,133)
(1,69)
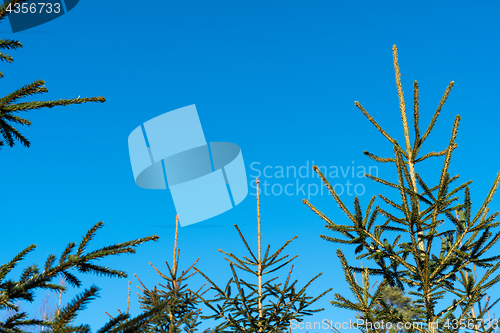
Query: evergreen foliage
(33,278)
(434,251)
(403,305)
(245,310)
(181,311)
(10,105)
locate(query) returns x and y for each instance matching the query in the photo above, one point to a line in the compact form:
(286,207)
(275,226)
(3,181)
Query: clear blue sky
(279,78)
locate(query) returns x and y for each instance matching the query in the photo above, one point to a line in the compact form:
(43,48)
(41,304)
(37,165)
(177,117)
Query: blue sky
(279,78)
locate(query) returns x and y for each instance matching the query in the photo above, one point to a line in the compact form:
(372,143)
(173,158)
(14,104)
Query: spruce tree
(181,312)
(436,242)
(10,105)
(72,258)
(262,307)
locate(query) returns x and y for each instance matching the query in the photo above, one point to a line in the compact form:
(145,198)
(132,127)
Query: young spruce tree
(181,312)
(262,307)
(438,242)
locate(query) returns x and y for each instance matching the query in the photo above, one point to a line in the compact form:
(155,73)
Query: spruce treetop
(436,242)
(265,306)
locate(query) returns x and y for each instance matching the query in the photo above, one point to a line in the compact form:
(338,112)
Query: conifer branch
(489,197)
(244,242)
(379,159)
(438,111)
(334,194)
(10,44)
(444,171)
(402,107)
(416,120)
(68,313)
(370,118)
(6,268)
(434,154)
